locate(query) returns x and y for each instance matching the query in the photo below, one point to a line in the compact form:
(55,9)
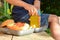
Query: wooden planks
(5,37)
(34,36)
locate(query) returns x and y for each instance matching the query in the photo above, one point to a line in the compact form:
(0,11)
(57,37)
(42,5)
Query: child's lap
(20,16)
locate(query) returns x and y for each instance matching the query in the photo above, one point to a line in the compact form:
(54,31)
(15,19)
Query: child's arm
(18,3)
(37,4)
(21,3)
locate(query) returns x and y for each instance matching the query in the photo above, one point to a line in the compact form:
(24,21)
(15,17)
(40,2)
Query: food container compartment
(15,32)
(43,28)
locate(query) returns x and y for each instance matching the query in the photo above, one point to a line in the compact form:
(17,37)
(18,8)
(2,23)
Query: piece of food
(9,21)
(18,26)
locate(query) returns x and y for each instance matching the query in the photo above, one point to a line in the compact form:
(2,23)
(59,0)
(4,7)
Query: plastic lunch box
(23,32)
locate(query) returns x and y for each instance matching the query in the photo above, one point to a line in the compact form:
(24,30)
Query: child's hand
(32,10)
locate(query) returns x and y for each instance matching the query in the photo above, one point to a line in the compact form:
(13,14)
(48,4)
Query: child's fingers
(35,11)
(29,19)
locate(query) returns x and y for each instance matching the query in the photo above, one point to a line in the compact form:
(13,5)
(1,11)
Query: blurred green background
(51,6)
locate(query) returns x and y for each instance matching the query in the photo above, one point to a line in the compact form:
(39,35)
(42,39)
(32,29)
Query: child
(23,9)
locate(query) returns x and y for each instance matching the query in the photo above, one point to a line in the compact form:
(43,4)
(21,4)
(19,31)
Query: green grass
(48,31)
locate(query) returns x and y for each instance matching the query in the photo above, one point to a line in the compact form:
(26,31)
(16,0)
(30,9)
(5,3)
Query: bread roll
(9,21)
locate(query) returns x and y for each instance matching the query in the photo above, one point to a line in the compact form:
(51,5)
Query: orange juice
(34,21)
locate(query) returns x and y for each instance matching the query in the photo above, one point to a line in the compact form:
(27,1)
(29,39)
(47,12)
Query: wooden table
(33,36)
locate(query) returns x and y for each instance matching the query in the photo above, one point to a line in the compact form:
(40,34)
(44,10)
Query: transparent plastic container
(34,20)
